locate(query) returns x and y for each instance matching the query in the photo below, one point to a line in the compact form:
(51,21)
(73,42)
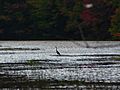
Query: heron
(57,52)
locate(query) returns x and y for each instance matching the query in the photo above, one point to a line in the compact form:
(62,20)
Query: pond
(36,65)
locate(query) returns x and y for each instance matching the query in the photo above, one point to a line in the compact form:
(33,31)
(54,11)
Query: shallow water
(37,60)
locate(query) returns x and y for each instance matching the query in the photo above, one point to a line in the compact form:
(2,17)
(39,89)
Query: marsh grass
(24,82)
(33,62)
(116,58)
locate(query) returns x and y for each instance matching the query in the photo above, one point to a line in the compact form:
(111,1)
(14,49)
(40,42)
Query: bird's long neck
(56,48)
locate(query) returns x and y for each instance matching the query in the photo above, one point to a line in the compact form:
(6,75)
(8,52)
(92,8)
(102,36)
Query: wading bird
(57,52)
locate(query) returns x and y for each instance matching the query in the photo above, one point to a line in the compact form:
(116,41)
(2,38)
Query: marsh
(36,64)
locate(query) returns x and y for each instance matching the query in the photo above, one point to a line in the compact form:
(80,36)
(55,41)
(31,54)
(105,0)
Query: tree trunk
(83,36)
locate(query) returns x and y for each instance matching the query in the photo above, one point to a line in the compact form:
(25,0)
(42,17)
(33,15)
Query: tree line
(59,19)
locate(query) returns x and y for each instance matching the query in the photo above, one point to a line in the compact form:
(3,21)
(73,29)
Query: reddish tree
(86,1)
(88,17)
(116,34)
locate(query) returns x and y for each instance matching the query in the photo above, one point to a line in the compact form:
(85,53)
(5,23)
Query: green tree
(115,20)
(45,14)
(115,24)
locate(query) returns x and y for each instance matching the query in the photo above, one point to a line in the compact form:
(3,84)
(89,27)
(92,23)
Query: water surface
(78,67)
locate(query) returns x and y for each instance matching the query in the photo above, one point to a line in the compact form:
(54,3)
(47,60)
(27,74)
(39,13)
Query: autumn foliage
(88,17)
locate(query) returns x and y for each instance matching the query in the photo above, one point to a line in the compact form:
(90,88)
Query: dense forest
(60,19)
